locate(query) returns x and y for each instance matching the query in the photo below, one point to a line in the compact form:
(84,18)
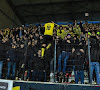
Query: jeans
(13,70)
(65,56)
(1,65)
(95,65)
(79,74)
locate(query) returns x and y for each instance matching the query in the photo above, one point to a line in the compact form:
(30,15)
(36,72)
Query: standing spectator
(30,58)
(1,58)
(75,23)
(38,64)
(95,57)
(79,62)
(20,58)
(21,32)
(59,31)
(11,58)
(64,33)
(66,51)
(81,26)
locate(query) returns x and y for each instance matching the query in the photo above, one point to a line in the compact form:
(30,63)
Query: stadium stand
(20,56)
(50,44)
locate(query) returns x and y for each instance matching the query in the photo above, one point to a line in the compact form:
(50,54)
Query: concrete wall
(7,16)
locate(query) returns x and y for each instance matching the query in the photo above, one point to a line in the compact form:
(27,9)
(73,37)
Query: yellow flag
(16,88)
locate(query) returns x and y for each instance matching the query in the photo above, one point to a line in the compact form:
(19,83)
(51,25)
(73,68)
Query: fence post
(55,61)
(89,61)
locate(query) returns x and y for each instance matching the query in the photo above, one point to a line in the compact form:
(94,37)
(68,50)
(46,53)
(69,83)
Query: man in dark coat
(37,64)
(95,54)
(11,58)
(79,61)
(20,59)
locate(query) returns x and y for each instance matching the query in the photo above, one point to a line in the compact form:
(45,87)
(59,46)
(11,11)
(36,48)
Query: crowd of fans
(20,54)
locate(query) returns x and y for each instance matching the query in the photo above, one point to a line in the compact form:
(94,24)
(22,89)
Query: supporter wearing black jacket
(20,59)
(75,23)
(94,49)
(31,54)
(81,26)
(37,65)
(78,57)
(11,58)
(95,54)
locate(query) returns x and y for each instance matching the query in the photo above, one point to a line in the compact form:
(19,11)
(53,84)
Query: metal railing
(69,62)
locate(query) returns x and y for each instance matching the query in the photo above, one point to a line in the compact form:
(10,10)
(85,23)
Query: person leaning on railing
(66,51)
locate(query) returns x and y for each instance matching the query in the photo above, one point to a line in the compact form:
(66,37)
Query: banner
(6,84)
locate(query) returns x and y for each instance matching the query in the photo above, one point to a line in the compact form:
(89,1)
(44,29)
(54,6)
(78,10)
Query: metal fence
(78,60)
(71,60)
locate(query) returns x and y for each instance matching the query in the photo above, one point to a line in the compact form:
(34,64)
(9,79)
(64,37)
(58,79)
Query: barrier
(53,86)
